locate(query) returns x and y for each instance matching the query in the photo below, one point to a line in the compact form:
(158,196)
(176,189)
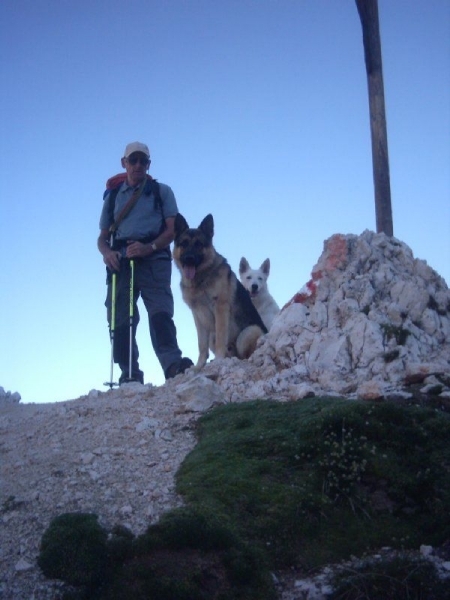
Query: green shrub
(120,545)
(187,555)
(190,555)
(73,549)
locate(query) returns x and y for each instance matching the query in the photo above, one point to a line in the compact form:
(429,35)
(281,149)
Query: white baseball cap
(136,147)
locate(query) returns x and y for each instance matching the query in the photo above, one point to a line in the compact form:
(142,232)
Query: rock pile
(8,397)
(372,322)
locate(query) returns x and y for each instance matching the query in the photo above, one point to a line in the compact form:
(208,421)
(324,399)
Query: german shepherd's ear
(207,226)
(180,225)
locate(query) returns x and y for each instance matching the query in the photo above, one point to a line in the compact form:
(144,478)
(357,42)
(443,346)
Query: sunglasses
(138,159)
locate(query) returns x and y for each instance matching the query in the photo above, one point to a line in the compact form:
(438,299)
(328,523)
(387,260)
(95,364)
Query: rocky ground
(111,453)
(114,454)
(373,322)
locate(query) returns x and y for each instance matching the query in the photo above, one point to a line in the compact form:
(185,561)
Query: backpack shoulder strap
(153,187)
(110,197)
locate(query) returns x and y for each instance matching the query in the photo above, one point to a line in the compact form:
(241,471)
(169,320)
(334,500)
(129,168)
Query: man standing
(137,224)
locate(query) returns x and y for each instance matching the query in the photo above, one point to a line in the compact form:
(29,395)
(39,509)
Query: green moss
(303,480)
(191,554)
(188,555)
(73,549)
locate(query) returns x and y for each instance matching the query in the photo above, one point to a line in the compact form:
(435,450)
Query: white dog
(255,281)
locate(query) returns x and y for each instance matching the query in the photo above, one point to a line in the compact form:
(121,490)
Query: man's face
(136,166)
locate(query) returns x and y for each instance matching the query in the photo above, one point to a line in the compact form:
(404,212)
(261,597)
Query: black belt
(118,244)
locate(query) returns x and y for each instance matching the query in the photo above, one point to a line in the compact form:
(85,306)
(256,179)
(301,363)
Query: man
(141,233)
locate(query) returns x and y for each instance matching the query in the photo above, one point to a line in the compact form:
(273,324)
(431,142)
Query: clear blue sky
(254,110)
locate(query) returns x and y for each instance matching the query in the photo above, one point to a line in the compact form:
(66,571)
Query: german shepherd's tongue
(189,271)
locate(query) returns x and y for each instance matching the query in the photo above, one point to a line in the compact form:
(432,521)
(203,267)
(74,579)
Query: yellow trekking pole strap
(130,365)
(112,328)
(113,302)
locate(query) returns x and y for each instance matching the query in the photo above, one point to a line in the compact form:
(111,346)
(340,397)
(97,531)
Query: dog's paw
(200,364)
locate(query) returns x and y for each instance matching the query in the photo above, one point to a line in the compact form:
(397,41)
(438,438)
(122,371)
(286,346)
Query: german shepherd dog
(224,315)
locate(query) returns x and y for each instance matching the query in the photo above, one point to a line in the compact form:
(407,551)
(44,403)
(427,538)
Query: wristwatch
(154,246)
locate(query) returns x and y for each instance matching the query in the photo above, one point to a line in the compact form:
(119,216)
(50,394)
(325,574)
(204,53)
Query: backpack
(112,189)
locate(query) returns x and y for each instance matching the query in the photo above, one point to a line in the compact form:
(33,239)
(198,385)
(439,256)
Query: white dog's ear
(265,267)
(243,265)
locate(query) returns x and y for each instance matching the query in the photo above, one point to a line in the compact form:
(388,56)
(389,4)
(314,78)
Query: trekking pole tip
(111,384)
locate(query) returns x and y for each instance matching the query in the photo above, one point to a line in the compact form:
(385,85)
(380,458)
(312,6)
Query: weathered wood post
(368,13)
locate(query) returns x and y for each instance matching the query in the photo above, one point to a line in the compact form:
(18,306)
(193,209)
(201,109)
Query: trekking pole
(112,328)
(130,364)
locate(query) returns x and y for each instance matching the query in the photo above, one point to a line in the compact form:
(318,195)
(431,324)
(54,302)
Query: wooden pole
(368,13)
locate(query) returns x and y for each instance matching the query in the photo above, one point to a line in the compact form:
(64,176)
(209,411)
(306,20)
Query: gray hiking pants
(152,278)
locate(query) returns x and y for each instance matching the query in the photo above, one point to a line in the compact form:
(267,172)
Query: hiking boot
(137,376)
(179,367)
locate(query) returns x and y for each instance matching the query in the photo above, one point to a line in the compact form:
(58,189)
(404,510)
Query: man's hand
(137,249)
(111,258)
